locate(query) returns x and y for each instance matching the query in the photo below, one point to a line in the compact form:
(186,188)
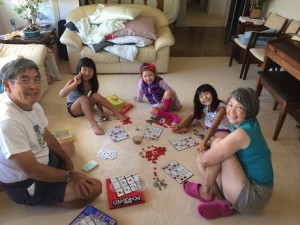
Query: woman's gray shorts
(252,198)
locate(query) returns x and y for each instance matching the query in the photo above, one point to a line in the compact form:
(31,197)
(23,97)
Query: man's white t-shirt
(20,131)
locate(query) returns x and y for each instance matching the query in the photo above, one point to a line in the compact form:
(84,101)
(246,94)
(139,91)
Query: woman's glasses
(237,108)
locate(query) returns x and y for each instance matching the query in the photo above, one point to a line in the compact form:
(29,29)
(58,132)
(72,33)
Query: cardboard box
(116,101)
(63,135)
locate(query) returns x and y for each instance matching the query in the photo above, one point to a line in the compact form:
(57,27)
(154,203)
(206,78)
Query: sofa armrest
(71,38)
(165,38)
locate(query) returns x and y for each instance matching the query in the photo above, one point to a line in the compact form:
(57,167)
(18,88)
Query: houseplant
(256,8)
(27,9)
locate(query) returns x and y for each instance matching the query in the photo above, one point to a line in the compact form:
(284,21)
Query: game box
(116,101)
(63,135)
(124,191)
(91,215)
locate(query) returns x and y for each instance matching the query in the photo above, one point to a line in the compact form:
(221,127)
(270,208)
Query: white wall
(216,7)
(66,6)
(287,8)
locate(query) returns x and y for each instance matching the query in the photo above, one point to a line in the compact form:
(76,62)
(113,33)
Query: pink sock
(163,114)
(167,104)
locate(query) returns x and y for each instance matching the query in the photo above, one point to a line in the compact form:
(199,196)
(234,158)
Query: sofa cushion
(6,59)
(145,54)
(142,26)
(104,13)
(123,51)
(102,57)
(34,52)
(3,62)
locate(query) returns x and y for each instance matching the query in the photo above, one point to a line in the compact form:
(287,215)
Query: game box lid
(116,101)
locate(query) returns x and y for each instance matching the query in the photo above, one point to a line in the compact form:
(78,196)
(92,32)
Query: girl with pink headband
(158,93)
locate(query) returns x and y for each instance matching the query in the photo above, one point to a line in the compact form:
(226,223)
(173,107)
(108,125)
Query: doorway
(199,31)
(203,13)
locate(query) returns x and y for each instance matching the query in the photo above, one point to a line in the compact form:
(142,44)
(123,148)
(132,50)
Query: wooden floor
(200,41)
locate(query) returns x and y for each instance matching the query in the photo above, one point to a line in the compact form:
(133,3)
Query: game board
(124,191)
(92,215)
(152,133)
(117,133)
(178,172)
(182,143)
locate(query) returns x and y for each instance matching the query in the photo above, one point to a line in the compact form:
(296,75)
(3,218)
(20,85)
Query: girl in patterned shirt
(210,111)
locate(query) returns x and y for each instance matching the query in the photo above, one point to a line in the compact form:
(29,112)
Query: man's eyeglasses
(27,81)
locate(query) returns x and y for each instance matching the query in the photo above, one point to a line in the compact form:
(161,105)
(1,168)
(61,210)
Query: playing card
(90,165)
(113,154)
(107,153)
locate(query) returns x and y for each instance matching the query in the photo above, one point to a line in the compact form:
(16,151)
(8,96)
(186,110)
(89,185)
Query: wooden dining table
(283,53)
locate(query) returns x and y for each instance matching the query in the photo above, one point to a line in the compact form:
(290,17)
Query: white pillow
(128,52)
(104,13)
(137,41)
(6,59)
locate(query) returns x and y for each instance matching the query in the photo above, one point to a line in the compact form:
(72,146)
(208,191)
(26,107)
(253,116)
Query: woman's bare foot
(180,130)
(205,194)
(97,130)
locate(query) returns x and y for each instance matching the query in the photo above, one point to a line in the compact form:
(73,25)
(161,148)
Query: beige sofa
(35,52)
(157,53)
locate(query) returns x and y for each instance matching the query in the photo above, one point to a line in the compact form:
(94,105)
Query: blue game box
(92,215)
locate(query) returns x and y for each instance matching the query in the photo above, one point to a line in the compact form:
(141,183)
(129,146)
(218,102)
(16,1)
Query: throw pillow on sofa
(104,13)
(142,26)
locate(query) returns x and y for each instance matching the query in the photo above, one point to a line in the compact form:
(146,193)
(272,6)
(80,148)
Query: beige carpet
(170,206)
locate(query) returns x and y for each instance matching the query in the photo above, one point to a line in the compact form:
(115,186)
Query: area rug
(165,201)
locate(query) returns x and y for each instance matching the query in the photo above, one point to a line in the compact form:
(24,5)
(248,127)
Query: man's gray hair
(9,71)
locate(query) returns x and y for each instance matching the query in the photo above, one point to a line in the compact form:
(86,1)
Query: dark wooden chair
(257,54)
(285,89)
(240,50)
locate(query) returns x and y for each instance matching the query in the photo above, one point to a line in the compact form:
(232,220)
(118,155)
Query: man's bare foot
(180,130)
(97,130)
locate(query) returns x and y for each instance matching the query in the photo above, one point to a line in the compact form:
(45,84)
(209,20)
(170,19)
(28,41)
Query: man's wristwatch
(69,176)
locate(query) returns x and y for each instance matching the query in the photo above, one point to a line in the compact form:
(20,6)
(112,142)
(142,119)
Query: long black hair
(87,62)
(198,106)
